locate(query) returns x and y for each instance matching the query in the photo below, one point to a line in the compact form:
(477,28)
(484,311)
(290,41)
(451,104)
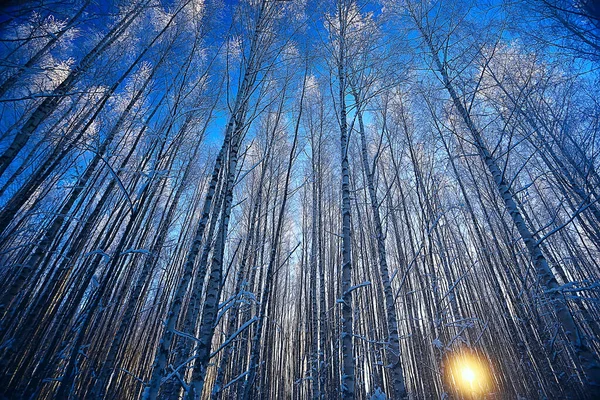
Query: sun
(468,373)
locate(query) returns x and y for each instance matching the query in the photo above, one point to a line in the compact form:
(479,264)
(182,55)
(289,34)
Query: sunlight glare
(468,374)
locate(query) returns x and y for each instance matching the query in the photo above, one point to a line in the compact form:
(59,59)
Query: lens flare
(468,374)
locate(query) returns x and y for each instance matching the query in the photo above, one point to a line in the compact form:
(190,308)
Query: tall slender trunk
(241,278)
(314,266)
(346,337)
(393,352)
(255,348)
(160,361)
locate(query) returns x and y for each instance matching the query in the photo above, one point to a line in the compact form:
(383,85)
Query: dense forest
(300,199)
